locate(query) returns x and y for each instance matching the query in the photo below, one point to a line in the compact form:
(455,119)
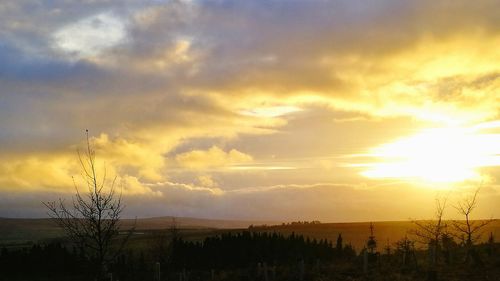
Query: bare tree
(429,232)
(92,219)
(467,228)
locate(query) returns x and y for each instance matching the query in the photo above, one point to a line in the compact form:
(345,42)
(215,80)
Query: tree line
(242,249)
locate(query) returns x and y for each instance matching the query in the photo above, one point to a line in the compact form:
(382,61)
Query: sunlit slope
(22,231)
(386,233)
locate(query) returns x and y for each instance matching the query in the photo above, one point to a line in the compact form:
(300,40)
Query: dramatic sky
(279,110)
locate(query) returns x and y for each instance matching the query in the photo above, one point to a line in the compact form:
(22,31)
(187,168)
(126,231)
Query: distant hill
(187,222)
(21,231)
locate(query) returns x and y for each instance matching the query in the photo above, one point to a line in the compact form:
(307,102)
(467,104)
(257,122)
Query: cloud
(130,157)
(168,187)
(61,172)
(206,180)
(90,36)
(131,186)
(212,158)
(30,173)
(273,111)
(293,84)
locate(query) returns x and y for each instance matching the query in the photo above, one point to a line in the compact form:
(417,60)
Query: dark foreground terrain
(294,251)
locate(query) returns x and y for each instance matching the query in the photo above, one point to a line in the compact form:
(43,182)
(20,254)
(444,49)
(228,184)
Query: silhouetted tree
(50,261)
(338,246)
(405,249)
(472,230)
(430,232)
(239,250)
(348,251)
(371,244)
(448,246)
(92,219)
(491,244)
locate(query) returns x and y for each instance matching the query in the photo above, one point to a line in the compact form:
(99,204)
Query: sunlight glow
(444,155)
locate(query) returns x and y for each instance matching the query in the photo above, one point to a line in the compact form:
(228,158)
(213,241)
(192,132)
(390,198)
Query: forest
(249,255)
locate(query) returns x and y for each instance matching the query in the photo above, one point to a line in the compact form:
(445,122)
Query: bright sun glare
(444,155)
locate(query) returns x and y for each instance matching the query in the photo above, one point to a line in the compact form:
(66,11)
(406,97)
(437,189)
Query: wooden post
(266,277)
(183,276)
(157,271)
(404,258)
(365,261)
(301,270)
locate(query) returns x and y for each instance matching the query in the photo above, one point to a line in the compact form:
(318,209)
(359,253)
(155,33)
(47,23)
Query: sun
(439,155)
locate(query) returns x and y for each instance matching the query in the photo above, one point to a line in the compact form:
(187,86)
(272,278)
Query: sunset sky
(276,110)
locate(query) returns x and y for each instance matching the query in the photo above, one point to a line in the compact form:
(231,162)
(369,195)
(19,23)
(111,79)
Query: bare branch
(92,219)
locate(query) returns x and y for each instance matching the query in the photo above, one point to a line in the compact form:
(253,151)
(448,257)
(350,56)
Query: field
(19,232)
(237,250)
(357,233)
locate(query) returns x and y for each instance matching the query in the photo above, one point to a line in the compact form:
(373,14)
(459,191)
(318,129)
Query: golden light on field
(439,155)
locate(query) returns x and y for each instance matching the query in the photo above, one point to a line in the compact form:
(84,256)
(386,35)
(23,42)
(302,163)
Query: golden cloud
(123,154)
(61,172)
(207,180)
(450,80)
(34,172)
(212,158)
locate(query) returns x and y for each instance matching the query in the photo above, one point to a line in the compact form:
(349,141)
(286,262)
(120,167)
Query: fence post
(157,271)
(301,270)
(266,276)
(365,261)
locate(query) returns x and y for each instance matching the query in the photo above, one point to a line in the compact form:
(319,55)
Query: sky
(272,110)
